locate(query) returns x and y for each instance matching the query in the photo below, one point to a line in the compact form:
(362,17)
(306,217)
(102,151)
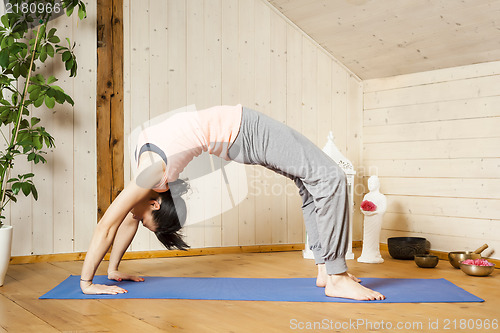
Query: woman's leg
(308,211)
(267,142)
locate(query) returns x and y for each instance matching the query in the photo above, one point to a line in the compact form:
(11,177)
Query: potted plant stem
(26,42)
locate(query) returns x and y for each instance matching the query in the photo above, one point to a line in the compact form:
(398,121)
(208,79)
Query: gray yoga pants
(322,184)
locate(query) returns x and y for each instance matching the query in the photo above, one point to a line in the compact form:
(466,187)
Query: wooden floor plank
(30,281)
(25,283)
(14,318)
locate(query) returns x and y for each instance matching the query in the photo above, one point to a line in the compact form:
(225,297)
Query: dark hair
(171,216)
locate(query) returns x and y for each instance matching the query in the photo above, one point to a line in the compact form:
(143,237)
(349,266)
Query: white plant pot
(5,246)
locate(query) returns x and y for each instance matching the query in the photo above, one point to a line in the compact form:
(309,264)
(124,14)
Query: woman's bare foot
(323,276)
(342,285)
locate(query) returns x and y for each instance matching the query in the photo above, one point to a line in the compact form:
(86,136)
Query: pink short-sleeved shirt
(186,135)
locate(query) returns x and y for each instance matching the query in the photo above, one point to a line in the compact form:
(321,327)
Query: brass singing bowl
(458,256)
(476,270)
(426,260)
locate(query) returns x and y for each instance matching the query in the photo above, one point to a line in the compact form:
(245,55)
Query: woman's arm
(124,236)
(104,235)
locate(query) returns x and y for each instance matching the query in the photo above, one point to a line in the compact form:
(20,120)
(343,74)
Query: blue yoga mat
(246,289)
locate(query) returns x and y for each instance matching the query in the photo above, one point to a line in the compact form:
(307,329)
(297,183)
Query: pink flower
(477,262)
(368,206)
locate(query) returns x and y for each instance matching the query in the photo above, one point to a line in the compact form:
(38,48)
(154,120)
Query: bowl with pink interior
(477,267)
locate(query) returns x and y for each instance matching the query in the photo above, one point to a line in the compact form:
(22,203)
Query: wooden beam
(110,138)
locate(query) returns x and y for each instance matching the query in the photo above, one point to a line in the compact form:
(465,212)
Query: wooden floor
(21,311)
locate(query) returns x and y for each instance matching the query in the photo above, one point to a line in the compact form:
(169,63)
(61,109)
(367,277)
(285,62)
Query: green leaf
(14,49)
(39,101)
(37,142)
(69,11)
(35,92)
(16,71)
(31,157)
(50,102)
(16,187)
(5,21)
(66,56)
(23,69)
(51,32)
(27,147)
(50,50)
(4,111)
(15,97)
(43,54)
(49,141)
(34,121)
(26,187)
(60,96)
(51,79)
(81,4)
(42,30)
(34,192)
(26,111)
(51,92)
(69,100)
(24,124)
(81,13)
(4,58)
(54,39)
(5,80)
(69,64)
(12,64)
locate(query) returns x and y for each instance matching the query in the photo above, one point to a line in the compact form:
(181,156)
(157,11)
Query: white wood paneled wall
(63,218)
(211,52)
(433,139)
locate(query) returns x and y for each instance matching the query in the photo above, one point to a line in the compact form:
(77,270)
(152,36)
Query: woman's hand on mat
(98,289)
(119,276)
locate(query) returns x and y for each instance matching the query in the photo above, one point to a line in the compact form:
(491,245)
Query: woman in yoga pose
(233,133)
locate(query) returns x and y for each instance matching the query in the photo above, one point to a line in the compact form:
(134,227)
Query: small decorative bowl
(476,270)
(426,260)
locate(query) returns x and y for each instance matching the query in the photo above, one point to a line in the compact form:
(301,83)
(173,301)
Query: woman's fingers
(116,290)
(137,279)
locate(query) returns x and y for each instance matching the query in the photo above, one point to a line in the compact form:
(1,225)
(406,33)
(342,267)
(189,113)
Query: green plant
(22,50)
